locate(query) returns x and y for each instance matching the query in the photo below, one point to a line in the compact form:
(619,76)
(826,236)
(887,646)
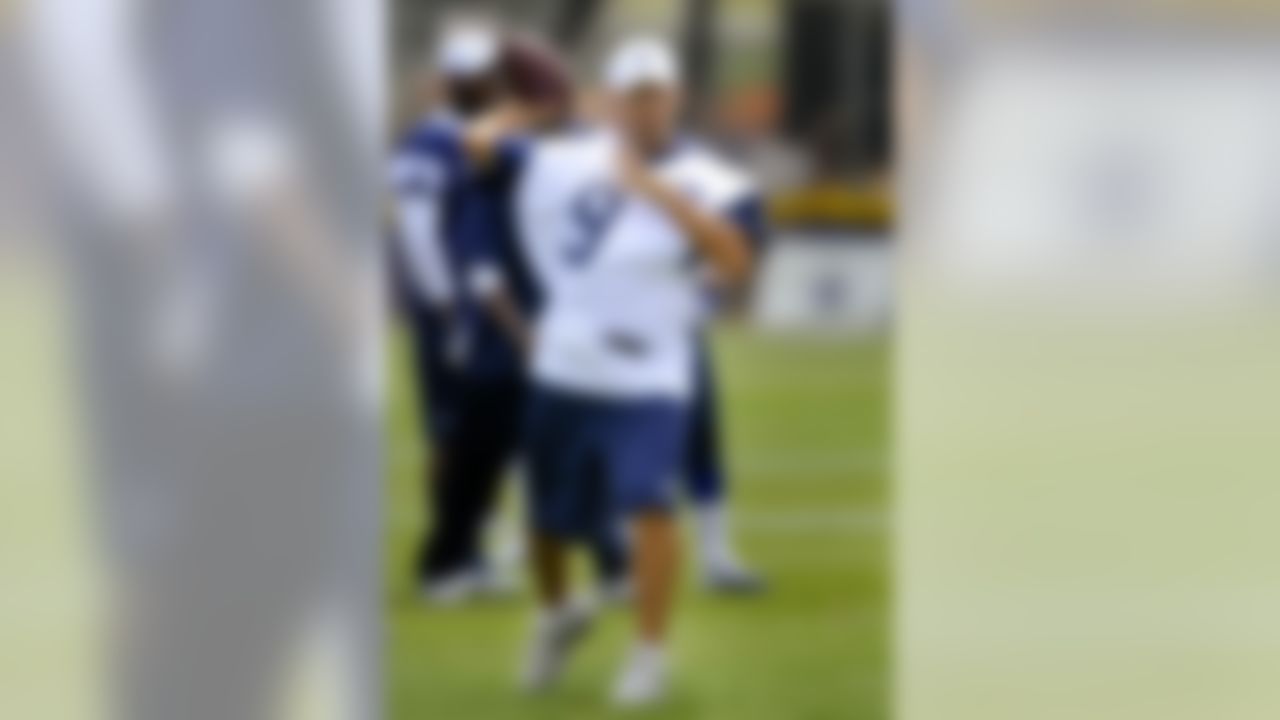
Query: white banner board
(811,281)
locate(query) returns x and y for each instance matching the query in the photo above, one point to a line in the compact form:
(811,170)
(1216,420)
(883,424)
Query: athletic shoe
(729,577)
(615,592)
(555,634)
(643,680)
(456,588)
(494,583)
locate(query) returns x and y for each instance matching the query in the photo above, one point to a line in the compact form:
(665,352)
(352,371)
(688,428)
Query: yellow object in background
(836,204)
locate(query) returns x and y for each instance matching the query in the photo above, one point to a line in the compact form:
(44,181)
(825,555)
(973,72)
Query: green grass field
(806,424)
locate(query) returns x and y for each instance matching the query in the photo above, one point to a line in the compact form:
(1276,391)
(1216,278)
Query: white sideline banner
(824,281)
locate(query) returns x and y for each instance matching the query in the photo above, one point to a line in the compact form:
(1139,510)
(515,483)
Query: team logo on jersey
(626,344)
(593,211)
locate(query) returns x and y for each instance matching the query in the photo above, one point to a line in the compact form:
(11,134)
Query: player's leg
(704,475)
(706,485)
(646,448)
(609,552)
(462,491)
(656,568)
(561,622)
(438,406)
(557,449)
(505,533)
(448,578)
(489,436)
(548,556)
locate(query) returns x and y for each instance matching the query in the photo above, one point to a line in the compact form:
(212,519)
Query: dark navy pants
(480,445)
(703,472)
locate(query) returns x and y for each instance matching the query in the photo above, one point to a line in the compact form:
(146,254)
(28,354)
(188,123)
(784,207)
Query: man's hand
(483,137)
(716,239)
(519,330)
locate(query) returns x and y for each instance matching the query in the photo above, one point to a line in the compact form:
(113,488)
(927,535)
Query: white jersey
(625,290)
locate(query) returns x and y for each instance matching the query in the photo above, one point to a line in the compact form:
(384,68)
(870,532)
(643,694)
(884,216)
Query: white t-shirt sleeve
(420,233)
(411,172)
(719,186)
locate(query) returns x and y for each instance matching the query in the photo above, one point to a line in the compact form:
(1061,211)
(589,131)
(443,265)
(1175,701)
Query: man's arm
(484,139)
(419,222)
(502,308)
(418,179)
(487,283)
(716,238)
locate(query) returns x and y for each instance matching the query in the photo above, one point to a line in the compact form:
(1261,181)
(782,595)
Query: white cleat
(722,572)
(555,634)
(615,592)
(452,590)
(463,587)
(729,577)
(493,583)
(644,678)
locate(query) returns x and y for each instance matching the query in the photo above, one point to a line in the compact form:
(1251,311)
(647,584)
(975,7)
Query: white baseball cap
(467,51)
(640,62)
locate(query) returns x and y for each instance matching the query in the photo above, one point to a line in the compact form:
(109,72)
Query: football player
(626,225)
(469,378)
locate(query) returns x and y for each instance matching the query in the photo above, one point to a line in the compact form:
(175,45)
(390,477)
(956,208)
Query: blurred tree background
(805,84)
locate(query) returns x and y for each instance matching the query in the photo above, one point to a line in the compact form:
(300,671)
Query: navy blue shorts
(592,460)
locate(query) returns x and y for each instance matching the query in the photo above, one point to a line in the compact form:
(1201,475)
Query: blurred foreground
(806,422)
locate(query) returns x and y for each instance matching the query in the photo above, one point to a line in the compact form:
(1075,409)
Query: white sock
(571,606)
(551,615)
(649,652)
(713,533)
